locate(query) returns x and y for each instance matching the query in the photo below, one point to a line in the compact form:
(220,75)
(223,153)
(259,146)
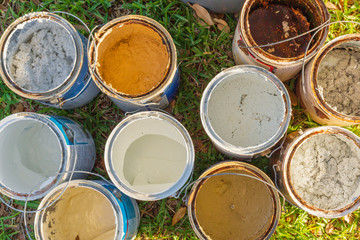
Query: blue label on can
(170,92)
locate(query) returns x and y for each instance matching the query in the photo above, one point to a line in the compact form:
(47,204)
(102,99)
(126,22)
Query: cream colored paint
(80,214)
(149,155)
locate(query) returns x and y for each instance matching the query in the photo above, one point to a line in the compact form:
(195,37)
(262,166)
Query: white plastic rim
(149,156)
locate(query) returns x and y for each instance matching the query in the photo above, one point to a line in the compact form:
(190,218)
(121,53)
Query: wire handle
(77,18)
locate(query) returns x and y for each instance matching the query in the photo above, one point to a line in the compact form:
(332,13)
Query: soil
(275,22)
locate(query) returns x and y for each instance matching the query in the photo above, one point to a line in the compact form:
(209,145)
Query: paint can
(35,149)
(230,206)
(283,66)
(315,172)
(312,91)
(47,81)
(245,110)
(149,77)
(87,210)
(149,155)
(219,6)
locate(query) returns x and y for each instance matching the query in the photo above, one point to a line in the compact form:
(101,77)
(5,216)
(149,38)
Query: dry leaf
(329,229)
(202,13)
(293,97)
(178,216)
(331,6)
(18,108)
(200,21)
(349,218)
(222,25)
(37,2)
(3,8)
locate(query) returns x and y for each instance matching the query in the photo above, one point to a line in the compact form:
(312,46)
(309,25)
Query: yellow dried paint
(133,59)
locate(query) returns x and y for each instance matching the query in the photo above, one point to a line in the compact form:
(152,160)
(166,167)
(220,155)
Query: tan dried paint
(234,207)
(132,59)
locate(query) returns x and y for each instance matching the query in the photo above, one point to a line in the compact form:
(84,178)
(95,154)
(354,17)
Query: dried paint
(234,207)
(276,22)
(81,213)
(133,59)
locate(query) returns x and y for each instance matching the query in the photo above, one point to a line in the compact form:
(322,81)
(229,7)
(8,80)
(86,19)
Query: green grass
(203,52)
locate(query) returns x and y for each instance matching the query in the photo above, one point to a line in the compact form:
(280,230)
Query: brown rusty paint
(314,84)
(197,187)
(313,12)
(286,171)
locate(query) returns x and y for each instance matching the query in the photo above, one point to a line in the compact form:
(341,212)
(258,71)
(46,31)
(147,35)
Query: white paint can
(245,110)
(87,210)
(149,155)
(35,149)
(284,68)
(43,58)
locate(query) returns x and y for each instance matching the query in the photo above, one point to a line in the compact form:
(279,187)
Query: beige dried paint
(234,207)
(80,214)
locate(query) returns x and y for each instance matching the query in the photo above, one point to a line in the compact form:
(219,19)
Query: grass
(203,52)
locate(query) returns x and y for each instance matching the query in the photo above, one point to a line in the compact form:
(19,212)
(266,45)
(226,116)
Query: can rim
(82,184)
(216,139)
(164,82)
(295,197)
(228,165)
(188,169)
(64,155)
(314,73)
(71,78)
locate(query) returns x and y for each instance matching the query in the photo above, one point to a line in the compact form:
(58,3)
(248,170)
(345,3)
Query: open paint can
(245,110)
(219,6)
(330,89)
(270,21)
(319,171)
(233,206)
(149,155)
(43,58)
(37,151)
(133,60)
(92,210)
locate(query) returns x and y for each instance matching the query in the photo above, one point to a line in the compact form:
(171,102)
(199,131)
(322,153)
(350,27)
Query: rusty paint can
(230,206)
(284,68)
(311,94)
(282,163)
(159,96)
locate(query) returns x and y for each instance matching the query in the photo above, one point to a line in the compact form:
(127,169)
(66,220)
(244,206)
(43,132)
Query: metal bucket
(282,164)
(245,111)
(76,90)
(158,97)
(149,156)
(311,94)
(220,6)
(36,149)
(283,68)
(254,208)
(118,215)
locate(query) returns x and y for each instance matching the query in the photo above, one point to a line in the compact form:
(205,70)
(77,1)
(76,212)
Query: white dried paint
(246,109)
(30,153)
(40,55)
(149,155)
(325,171)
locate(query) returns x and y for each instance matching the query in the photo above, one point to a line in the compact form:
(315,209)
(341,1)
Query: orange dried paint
(133,59)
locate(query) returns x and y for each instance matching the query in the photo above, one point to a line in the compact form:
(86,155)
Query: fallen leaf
(19,107)
(37,2)
(202,13)
(3,8)
(331,6)
(349,218)
(293,97)
(200,21)
(178,216)
(329,229)
(222,25)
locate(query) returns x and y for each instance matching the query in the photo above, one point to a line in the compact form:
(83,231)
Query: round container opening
(272,21)
(30,153)
(80,213)
(337,80)
(40,55)
(149,155)
(245,109)
(133,57)
(325,171)
(234,207)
